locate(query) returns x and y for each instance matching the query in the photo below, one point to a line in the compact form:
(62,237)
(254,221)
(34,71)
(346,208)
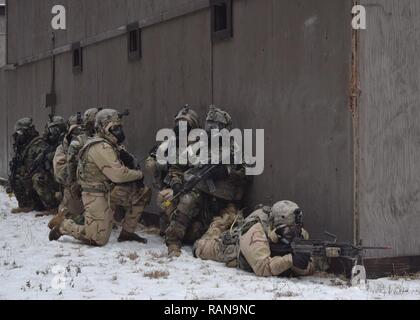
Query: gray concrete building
(339,106)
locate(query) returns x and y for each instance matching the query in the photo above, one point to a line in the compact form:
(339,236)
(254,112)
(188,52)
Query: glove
(220,173)
(301,260)
(177,187)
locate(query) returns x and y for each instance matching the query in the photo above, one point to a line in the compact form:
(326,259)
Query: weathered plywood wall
(287,71)
(389,126)
(30,22)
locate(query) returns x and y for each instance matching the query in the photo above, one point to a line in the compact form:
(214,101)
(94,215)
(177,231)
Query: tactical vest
(60,164)
(230,239)
(90,177)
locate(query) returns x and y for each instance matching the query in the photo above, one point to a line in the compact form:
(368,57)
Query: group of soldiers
(80,172)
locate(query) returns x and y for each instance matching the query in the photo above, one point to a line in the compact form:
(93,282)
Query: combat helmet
(55,129)
(89,119)
(285,213)
(217,115)
(74,122)
(24,124)
(190,116)
(56,121)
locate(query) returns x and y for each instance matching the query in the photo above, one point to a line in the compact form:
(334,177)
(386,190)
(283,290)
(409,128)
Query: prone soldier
(245,243)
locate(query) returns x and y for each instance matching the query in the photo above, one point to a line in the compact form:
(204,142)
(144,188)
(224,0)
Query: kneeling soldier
(106,184)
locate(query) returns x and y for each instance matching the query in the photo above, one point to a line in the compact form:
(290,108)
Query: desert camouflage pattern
(246,245)
(106,183)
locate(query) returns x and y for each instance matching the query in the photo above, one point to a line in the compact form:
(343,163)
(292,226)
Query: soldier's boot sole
(21,210)
(55,234)
(128,236)
(46,213)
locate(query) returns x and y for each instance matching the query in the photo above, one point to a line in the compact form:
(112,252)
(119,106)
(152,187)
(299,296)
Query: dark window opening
(221,19)
(2,11)
(134,41)
(77,58)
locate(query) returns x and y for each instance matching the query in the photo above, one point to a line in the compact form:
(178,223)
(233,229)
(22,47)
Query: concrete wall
(389,126)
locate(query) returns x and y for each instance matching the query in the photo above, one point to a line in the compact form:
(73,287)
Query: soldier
(106,184)
(246,243)
(30,179)
(170,176)
(76,143)
(71,205)
(43,180)
(203,203)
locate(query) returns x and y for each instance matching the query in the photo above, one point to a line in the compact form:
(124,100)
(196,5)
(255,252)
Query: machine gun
(196,175)
(128,159)
(327,249)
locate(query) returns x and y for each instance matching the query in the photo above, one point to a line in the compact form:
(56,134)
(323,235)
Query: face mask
(74,133)
(21,137)
(210,125)
(118,132)
(176,129)
(55,134)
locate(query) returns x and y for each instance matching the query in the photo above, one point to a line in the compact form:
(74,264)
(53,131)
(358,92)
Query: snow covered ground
(31,267)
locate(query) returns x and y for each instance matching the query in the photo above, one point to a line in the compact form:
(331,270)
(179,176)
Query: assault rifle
(41,161)
(14,164)
(194,177)
(326,249)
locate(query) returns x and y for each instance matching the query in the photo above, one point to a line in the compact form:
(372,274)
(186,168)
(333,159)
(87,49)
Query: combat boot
(55,234)
(128,236)
(22,210)
(174,250)
(57,220)
(50,212)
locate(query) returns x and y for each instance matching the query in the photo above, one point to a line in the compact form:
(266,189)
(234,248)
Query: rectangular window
(2,10)
(221,19)
(134,41)
(77,56)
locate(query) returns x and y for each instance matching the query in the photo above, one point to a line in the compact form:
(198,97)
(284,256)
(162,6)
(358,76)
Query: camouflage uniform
(31,178)
(169,176)
(71,205)
(106,183)
(197,208)
(246,243)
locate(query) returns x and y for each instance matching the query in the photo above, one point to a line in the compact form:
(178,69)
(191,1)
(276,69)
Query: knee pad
(186,203)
